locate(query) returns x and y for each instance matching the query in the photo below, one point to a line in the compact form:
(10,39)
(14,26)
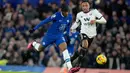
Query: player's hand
(31,31)
(92,21)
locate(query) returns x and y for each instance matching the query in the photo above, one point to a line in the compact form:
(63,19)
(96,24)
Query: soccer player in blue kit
(61,22)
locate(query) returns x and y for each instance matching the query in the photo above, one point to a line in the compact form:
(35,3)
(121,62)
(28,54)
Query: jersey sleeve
(49,19)
(100,18)
(76,23)
(77,19)
(97,14)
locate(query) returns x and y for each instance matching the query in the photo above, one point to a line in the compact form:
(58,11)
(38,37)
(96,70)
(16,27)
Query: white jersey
(85,18)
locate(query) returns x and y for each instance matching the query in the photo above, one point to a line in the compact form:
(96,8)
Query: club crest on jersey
(68,21)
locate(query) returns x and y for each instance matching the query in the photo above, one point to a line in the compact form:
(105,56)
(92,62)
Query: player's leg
(36,46)
(83,51)
(63,47)
(40,46)
(84,45)
(66,56)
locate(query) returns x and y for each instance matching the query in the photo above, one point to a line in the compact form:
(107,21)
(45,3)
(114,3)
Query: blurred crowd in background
(113,39)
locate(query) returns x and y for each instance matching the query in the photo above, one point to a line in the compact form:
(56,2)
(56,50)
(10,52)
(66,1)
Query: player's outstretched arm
(101,21)
(76,23)
(74,26)
(49,19)
(42,23)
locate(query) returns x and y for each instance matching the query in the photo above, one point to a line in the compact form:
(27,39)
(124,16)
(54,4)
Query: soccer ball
(101,59)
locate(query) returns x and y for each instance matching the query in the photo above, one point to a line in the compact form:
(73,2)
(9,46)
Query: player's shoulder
(80,13)
(57,13)
(94,10)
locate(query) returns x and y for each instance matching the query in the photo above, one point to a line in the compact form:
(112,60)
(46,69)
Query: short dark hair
(64,8)
(84,0)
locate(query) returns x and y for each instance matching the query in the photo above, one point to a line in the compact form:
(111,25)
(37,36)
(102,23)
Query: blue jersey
(56,30)
(59,25)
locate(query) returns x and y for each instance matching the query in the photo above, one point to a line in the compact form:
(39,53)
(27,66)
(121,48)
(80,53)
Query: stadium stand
(18,16)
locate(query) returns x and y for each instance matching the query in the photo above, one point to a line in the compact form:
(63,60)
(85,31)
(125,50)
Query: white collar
(61,14)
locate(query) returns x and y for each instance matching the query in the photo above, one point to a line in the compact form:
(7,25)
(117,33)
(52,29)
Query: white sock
(36,45)
(67,59)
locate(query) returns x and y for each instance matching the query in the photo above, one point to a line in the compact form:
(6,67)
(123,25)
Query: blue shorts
(50,39)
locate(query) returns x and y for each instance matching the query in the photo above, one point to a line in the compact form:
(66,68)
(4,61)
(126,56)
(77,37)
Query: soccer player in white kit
(87,19)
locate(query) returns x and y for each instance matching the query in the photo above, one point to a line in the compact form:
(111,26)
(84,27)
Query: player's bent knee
(85,44)
(41,48)
(85,47)
(63,46)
